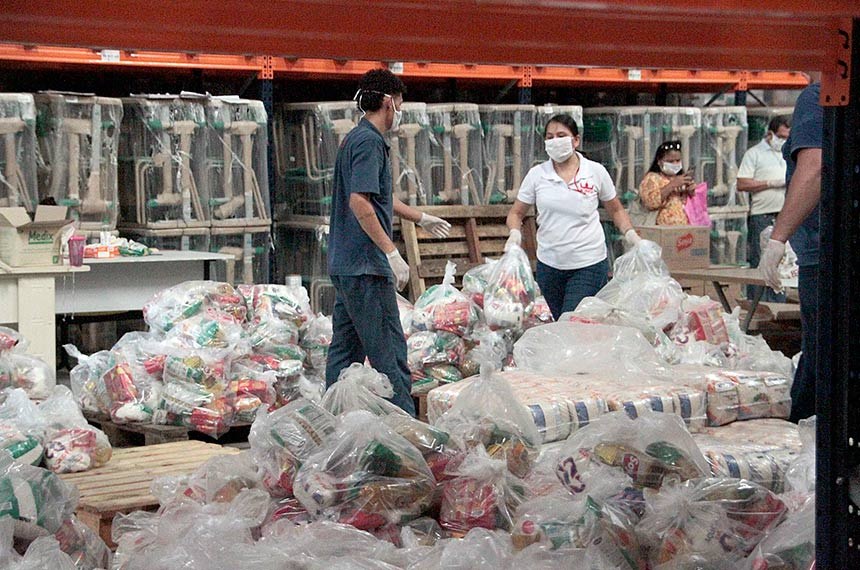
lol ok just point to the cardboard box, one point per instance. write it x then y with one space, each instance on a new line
27 243
684 247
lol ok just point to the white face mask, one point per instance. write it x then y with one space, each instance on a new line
398 115
559 149
671 168
776 143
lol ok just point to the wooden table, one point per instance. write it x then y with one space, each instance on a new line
719 276
123 484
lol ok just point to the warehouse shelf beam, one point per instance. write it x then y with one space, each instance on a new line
269 67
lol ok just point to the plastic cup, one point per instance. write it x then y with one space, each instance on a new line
76 250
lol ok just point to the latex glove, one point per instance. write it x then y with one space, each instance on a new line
436 226
631 238
769 265
399 267
776 183
515 239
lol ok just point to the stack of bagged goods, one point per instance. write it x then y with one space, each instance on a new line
37 521
21 370
375 488
499 301
214 355
53 433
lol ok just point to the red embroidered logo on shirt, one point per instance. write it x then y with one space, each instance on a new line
584 188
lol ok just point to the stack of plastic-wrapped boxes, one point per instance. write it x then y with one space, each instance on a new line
18 187
509 149
78 136
456 154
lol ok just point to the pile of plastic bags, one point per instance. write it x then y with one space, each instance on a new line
54 433
21 370
38 529
356 483
213 356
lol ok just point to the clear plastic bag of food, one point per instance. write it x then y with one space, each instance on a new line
407 311
171 306
35 498
791 546
254 389
480 493
651 450
21 414
282 440
444 308
487 413
540 314
42 553
272 302
510 292
211 329
800 476
642 285
219 480
360 387
568 347
367 476
86 379
753 352
316 340
436 445
85 548
32 374
475 281
71 443
703 321
480 548
485 344
12 340
434 348
716 521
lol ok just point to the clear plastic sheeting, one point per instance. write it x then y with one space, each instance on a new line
729 235
543 114
791 546
625 139
509 149
77 155
162 159
724 132
410 155
236 166
18 181
250 248
307 138
302 249
456 155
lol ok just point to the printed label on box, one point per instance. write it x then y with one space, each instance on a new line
40 238
684 242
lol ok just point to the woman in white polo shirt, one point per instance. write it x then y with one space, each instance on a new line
566 190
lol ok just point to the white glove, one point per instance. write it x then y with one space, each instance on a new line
515 239
399 267
769 265
632 238
436 226
776 183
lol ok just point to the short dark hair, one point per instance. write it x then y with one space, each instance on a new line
663 150
374 86
778 122
566 120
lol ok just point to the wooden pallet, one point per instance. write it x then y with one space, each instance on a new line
135 435
477 232
123 484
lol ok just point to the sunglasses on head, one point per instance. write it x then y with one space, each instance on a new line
671 145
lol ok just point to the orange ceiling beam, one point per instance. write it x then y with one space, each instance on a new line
706 34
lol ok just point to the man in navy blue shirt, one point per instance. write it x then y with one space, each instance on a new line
364 263
798 221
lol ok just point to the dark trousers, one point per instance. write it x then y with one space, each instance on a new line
756 225
366 323
803 389
563 289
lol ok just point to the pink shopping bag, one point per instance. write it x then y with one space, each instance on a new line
696 206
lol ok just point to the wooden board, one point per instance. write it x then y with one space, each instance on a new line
123 484
477 232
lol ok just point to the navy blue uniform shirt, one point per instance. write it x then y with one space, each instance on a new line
362 166
807 131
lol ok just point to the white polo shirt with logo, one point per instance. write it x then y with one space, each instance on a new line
569 232
762 163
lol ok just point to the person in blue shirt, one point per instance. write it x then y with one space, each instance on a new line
363 262
798 222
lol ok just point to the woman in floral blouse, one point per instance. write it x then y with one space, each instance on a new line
666 187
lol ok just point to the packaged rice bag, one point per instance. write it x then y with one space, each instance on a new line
736 395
